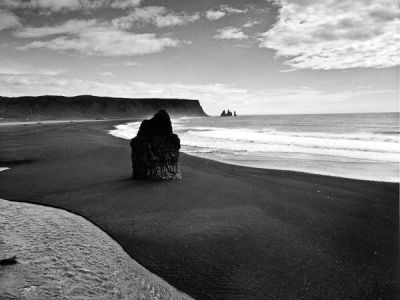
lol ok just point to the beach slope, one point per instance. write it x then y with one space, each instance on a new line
223 231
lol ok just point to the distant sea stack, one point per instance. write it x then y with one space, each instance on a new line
155 150
92 107
228 113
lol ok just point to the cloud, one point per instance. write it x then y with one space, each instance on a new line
72 26
329 34
107 74
108 38
13 84
250 24
57 6
230 33
8 20
107 41
131 63
232 10
222 11
92 37
125 3
215 14
12 69
156 15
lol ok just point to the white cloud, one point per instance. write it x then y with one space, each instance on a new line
333 34
232 10
8 20
108 38
12 69
107 42
222 11
215 14
51 5
57 6
230 33
125 3
73 26
250 24
107 74
131 63
156 15
91 37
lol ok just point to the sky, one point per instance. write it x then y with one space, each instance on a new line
252 56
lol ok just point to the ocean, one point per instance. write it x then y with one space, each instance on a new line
358 146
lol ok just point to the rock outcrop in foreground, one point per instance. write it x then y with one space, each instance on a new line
155 149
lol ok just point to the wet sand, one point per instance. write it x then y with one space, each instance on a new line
223 231
63 256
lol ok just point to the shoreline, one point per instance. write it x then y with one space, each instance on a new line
259 233
98 267
50 122
124 131
299 171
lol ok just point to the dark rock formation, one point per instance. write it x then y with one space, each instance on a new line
234 113
155 149
226 113
8 261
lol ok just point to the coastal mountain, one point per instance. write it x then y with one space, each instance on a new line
88 107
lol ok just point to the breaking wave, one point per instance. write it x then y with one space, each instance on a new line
248 141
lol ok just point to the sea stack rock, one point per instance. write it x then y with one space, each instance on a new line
155 149
228 113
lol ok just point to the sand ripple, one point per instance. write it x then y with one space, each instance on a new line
64 256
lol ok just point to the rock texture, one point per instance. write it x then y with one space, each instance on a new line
155 149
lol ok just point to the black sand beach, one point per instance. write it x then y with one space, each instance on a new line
223 231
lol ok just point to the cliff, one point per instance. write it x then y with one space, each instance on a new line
89 107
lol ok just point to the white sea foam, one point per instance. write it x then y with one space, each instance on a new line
63 256
240 140
252 141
